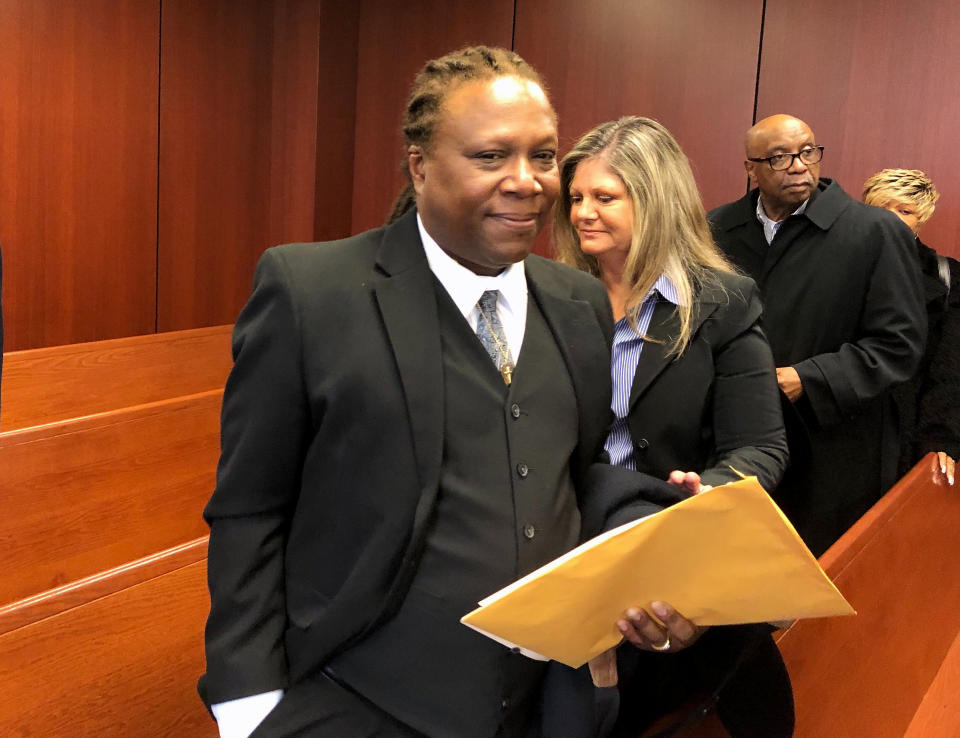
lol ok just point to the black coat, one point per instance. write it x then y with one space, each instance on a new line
843 306
714 409
930 403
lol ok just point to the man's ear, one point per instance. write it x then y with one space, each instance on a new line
415 162
749 166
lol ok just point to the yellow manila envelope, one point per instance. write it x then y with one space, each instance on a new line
727 555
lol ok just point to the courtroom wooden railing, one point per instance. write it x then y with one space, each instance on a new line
107 456
894 668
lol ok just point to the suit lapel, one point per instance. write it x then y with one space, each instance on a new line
576 331
664 326
407 301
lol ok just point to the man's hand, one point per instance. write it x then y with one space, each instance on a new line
644 632
789 382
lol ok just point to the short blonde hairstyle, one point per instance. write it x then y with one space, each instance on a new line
902 185
670 231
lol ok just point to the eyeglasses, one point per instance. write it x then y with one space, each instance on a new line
779 162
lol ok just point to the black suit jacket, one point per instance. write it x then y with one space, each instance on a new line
332 444
716 408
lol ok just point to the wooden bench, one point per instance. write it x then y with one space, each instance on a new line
894 668
64 382
104 476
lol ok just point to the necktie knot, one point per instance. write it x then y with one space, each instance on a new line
488 302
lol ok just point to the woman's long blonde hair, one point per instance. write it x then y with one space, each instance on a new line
670 231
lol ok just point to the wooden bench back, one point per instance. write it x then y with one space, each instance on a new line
104 477
63 382
92 494
898 566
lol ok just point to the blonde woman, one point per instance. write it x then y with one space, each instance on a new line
694 381
694 390
930 403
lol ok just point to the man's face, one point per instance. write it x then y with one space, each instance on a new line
486 185
783 191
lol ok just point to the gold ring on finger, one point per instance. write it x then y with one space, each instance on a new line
665 646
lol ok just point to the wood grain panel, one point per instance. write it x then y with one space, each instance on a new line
68 596
238 128
123 665
63 382
689 64
396 39
78 146
866 675
336 119
878 83
939 713
134 481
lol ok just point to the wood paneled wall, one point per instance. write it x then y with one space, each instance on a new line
140 179
337 106
879 84
238 132
690 65
78 168
394 42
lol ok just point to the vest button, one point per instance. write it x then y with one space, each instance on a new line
515 410
522 470
643 444
529 531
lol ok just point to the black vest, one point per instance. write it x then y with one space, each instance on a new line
506 505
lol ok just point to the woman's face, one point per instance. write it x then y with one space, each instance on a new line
601 210
905 211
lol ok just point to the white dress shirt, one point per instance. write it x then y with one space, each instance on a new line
465 288
771 226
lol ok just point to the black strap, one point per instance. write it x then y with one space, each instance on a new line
943 271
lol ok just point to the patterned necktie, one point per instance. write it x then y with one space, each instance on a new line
490 333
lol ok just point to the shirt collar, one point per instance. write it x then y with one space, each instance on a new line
663 288
770 226
667 289
465 287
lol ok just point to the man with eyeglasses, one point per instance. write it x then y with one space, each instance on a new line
844 314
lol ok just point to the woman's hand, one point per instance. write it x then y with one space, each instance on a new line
689 481
943 469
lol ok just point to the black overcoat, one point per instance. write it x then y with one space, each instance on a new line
843 305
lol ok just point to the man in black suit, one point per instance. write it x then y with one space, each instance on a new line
844 313
382 469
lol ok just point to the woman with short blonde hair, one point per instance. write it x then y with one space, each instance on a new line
929 404
907 193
